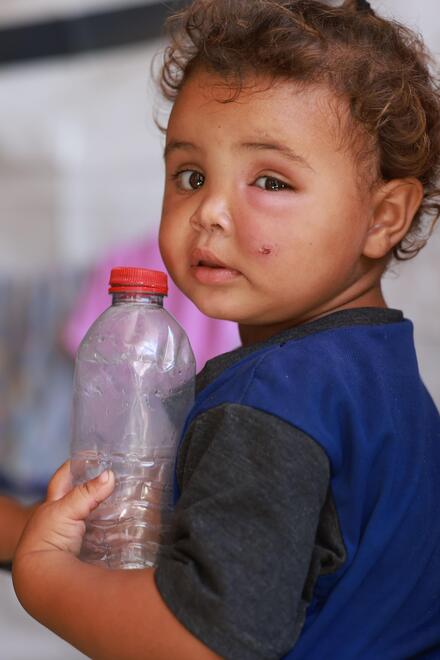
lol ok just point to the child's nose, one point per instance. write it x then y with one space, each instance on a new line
212 215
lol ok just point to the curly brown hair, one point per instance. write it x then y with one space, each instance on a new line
379 66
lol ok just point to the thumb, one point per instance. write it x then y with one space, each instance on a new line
60 484
83 499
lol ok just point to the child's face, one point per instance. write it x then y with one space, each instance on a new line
263 222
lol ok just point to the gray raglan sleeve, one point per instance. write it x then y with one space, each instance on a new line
244 532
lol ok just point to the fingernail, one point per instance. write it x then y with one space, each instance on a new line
104 477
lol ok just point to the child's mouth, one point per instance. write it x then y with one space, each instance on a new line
209 271
213 273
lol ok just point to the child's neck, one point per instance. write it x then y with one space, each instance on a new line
252 334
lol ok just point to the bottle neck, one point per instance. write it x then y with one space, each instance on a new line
123 297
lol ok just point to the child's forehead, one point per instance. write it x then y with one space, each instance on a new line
261 104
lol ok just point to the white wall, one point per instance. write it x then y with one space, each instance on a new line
421 15
80 158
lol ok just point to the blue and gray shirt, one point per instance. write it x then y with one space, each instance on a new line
308 515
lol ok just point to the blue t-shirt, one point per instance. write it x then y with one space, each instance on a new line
354 388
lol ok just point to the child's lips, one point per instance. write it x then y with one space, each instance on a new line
208 269
214 274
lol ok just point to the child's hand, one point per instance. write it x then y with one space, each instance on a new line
58 524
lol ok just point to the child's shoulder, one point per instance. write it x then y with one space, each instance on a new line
317 377
328 349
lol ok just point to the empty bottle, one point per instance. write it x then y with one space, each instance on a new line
133 387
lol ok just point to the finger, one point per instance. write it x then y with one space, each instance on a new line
60 484
83 499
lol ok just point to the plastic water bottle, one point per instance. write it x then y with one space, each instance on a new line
133 387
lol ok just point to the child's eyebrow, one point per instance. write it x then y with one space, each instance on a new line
174 145
279 147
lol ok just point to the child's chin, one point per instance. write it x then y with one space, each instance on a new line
220 312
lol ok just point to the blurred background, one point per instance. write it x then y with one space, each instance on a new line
80 191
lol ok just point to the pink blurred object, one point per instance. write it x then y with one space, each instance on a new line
208 337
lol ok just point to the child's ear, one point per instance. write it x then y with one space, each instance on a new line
395 206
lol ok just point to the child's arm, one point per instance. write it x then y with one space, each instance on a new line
105 614
13 518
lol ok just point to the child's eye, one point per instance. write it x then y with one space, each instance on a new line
271 183
189 179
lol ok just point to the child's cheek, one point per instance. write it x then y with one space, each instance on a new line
262 220
260 245
256 237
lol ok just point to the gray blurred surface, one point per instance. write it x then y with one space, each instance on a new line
15 12
80 158
23 638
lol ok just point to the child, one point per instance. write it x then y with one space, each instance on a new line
302 153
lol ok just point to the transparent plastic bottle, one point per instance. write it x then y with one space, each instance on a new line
133 387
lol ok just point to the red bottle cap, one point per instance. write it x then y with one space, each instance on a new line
138 280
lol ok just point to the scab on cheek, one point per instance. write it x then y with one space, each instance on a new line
267 250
